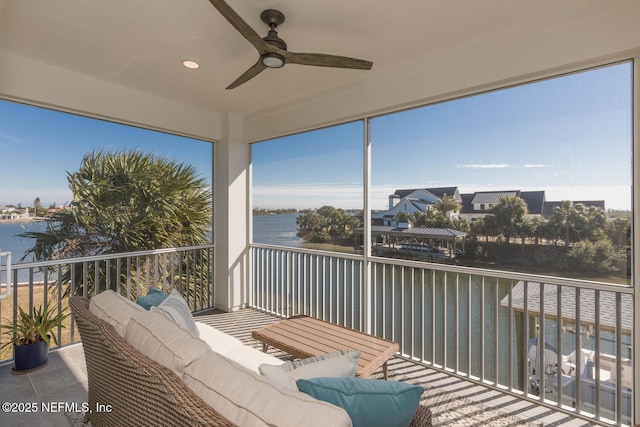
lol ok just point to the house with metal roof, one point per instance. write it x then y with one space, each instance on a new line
476 205
414 200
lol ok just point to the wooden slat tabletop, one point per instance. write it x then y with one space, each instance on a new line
303 336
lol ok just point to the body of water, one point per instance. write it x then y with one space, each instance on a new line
267 229
276 230
11 242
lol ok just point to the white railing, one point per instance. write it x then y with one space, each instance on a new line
320 284
5 273
189 270
481 325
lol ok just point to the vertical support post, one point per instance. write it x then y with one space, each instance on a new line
231 215
366 233
250 255
635 237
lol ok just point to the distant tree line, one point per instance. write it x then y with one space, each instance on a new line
591 242
327 225
258 212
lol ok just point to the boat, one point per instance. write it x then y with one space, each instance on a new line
564 373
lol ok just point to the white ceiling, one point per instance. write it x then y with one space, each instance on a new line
417 46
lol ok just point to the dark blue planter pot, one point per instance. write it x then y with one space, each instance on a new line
30 357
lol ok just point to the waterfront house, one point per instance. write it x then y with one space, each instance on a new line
475 205
12 213
410 201
122 61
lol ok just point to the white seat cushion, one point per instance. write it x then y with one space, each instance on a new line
233 348
251 400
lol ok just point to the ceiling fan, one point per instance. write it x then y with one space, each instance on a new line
273 50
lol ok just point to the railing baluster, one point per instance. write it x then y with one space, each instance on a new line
433 316
579 367
542 364
496 329
559 340
619 358
422 316
597 351
383 287
510 339
444 321
456 326
412 312
469 366
482 346
393 303
524 351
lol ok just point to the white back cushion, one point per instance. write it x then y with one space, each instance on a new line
175 308
114 309
164 341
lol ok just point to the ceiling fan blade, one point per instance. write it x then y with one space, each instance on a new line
239 24
323 60
257 68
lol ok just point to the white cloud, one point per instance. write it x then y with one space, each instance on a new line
485 166
499 166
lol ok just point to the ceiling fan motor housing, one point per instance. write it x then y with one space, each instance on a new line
273 18
273 39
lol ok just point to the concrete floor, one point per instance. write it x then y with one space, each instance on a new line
46 392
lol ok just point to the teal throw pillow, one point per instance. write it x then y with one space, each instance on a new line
369 402
153 298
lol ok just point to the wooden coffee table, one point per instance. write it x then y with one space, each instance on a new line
303 336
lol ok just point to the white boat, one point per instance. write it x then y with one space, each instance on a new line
562 371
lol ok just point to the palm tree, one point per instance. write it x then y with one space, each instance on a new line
36 206
509 213
447 204
127 201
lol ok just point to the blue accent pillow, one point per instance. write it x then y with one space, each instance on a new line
153 298
369 402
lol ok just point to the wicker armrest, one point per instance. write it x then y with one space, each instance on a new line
422 418
138 390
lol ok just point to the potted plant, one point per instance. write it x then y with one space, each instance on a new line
31 336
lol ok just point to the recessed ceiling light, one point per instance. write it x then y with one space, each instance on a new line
191 64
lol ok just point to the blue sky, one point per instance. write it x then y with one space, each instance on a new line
570 136
39 146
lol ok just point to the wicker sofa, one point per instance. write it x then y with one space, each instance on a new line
140 391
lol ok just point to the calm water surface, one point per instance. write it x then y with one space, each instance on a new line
9 240
276 230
